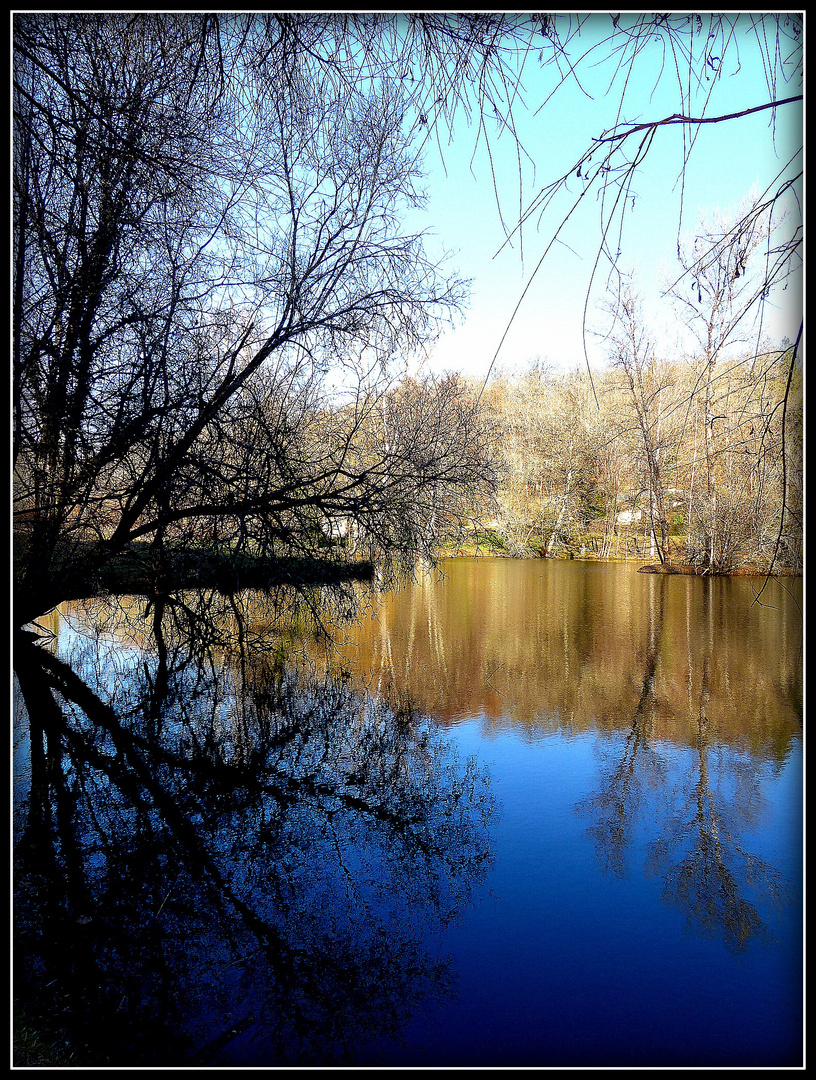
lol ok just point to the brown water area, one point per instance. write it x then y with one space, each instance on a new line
546 646
573 646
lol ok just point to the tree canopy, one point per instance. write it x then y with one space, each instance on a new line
213 292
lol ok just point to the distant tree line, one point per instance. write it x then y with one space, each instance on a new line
679 461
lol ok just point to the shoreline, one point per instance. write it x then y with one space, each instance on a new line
666 569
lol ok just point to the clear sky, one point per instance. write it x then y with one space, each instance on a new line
729 160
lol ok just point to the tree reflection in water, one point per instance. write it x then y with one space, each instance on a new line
225 862
636 763
706 872
705 869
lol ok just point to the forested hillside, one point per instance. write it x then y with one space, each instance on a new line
678 461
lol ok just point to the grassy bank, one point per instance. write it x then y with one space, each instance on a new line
627 548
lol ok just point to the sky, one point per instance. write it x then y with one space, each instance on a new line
728 162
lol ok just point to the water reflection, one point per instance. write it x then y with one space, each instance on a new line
692 687
706 871
699 801
562 646
221 861
222 858
634 760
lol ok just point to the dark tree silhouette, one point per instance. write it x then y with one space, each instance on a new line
210 851
213 297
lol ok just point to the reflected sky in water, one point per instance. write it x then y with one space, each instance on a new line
533 814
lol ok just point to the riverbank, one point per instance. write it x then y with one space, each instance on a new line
229 573
140 570
698 571
491 545
135 571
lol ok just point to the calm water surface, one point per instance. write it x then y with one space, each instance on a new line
547 813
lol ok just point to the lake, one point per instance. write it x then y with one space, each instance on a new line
528 813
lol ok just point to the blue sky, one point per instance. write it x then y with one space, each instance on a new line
728 161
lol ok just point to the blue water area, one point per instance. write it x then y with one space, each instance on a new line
561 963
554 844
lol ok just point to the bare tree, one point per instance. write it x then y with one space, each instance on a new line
544 447
692 59
648 385
717 293
198 204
